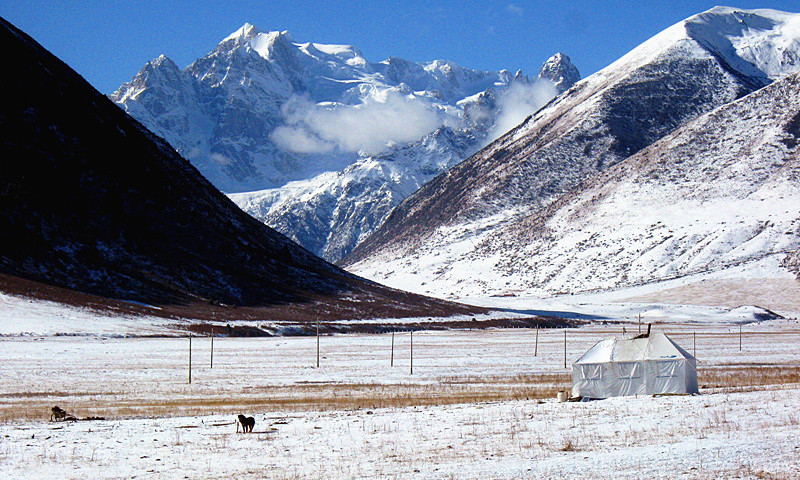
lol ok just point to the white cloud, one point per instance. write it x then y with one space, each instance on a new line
300 140
388 117
383 119
518 101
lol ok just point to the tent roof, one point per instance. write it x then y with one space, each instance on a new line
656 346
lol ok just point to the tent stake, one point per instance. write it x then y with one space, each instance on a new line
412 352
190 358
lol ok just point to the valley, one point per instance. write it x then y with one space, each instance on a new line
393 266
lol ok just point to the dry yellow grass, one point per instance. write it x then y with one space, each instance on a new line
738 377
298 397
342 396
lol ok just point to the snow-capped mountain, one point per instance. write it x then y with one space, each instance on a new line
530 213
326 142
98 210
333 212
560 70
223 110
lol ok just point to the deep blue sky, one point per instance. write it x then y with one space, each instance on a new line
109 41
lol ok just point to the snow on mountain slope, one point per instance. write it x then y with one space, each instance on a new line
763 43
478 228
321 123
332 212
720 192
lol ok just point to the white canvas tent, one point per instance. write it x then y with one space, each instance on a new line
642 365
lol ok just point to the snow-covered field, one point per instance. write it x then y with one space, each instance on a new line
717 297
479 404
735 435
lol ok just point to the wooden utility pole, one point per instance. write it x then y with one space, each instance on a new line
190 358
391 362
640 322
565 349
536 343
212 346
317 342
740 337
412 352
694 344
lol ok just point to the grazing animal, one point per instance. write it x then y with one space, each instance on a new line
58 414
247 424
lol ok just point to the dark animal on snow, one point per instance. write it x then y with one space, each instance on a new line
247 424
58 414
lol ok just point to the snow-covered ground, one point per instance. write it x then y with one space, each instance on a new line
715 297
478 405
736 435
27 317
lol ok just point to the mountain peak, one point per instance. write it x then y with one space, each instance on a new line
560 70
759 43
505 189
251 37
246 112
161 70
163 61
246 31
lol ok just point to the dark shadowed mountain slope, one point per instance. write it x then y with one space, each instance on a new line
435 237
93 202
